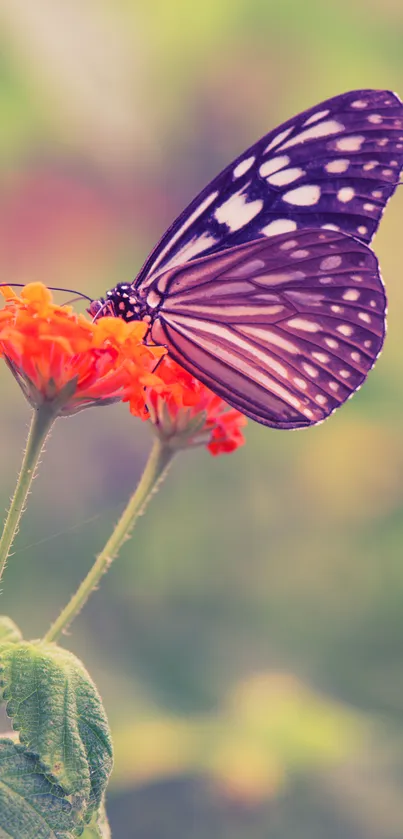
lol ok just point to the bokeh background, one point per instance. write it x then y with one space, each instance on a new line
249 641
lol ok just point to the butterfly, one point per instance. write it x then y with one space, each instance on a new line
264 288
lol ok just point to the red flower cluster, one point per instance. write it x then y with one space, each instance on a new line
186 413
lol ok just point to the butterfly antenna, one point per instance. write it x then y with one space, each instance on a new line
74 299
78 294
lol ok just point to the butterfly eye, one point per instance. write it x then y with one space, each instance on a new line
100 308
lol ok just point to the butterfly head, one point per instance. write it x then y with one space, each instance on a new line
120 302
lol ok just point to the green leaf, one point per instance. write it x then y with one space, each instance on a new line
31 807
58 712
99 827
9 632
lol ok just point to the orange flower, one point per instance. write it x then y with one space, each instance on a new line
185 413
60 358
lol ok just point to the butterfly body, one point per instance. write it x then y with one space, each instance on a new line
264 287
125 302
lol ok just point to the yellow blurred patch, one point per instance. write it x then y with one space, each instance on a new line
352 470
271 725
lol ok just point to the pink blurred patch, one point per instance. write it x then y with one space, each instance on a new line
71 229
55 228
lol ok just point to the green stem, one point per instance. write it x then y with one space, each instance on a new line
154 472
42 421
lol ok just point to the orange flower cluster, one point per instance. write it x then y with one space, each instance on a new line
58 356
61 358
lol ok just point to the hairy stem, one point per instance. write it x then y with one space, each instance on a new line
42 421
154 472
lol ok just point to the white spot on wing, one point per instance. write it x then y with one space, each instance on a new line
277 367
345 329
376 119
321 129
309 370
236 212
305 297
330 262
300 254
278 138
273 165
359 103
153 299
286 176
321 357
186 224
352 143
303 196
315 117
243 166
277 279
304 325
163 282
289 243
335 167
196 245
247 268
351 294
280 225
346 194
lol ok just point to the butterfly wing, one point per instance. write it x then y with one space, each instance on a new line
334 165
284 329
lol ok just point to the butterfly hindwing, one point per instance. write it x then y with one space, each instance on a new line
334 165
285 329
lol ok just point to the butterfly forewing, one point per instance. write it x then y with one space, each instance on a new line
285 329
334 165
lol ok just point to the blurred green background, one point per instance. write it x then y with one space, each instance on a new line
249 641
